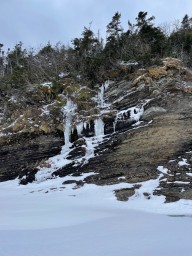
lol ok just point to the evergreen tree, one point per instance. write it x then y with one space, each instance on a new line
87 50
180 40
87 45
114 28
186 23
150 34
2 64
114 31
17 66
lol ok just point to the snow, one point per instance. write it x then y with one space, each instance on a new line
45 111
4 134
181 182
183 162
63 74
13 99
47 84
128 63
162 169
89 221
91 144
147 187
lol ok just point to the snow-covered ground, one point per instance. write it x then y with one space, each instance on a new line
47 219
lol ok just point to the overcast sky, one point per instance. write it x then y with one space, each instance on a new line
35 22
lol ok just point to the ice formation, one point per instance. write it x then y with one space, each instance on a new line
132 114
71 120
68 112
101 101
99 127
80 127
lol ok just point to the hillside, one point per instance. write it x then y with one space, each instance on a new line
127 132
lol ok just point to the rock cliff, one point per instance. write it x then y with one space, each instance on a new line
128 131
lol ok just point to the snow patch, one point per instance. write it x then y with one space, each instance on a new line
47 84
183 162
162 169
181 182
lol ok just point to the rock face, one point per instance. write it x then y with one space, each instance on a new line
133 151
22 153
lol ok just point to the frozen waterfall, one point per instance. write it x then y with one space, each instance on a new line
68 112
98 122
101 102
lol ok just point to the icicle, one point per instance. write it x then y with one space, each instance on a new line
80 128
99 127
114 126
101 96
106 85
85 125
68 112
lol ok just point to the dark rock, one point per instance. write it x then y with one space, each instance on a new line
79 184
124 193
69 182
27 176
76 153
171 198
23 151
146 195
66 170
153 111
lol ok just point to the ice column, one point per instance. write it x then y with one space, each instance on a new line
80 127
99 127
101 96
68 112
103 87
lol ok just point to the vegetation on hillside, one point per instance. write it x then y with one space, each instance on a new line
90 60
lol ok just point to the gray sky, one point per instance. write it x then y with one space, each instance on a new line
35 22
